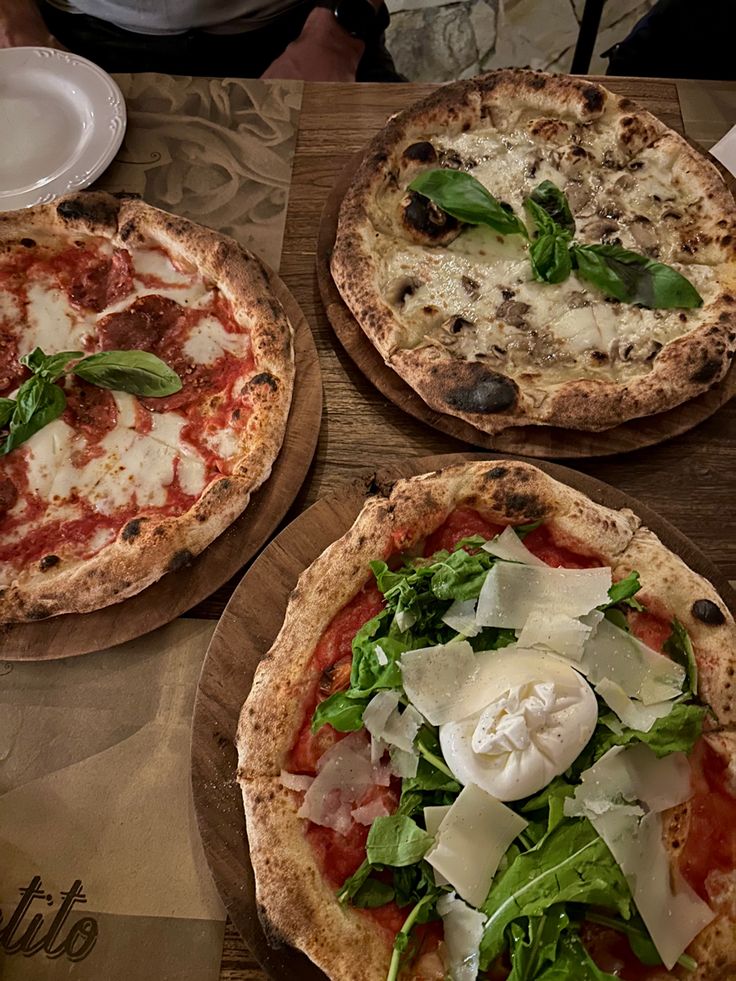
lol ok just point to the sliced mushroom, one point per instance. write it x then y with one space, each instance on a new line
600 229
578 196
513 312
471 286
577 300
453 325
401 287
426 223
645 235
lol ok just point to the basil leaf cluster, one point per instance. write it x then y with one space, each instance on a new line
40 399
620 273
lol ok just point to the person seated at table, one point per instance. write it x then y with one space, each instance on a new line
314 40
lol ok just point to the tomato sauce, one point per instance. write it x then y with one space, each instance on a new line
611 952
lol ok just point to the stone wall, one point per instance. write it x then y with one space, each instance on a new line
440 40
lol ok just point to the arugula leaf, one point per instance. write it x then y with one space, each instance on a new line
571 864
460 576
7 407
550 258
547 199
396 840
623 592
523 530
49 366
428 777
136 372
367 674
464 197
679 648
634 278
533 945
419 914
552 797
675 733
354 882
573 963
38 403
341 711
372 894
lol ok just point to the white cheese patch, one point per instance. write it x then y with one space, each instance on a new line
613 795
462 930
511 593
405 620
441 681
52 324
556 632
471 841
461 617
433 818
537 716
46 453
510 547
620 657
633 714
155 262
208 341
384 720
125 405
295 781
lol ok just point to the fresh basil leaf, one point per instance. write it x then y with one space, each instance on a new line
372 894
571 864
135 372
49 366
623 592
551 201
573 963
7 408
550 258
679 648
464 197
39 402
534 944
396 840
634 278
339 710
675 733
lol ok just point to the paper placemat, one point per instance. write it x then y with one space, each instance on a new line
218 151
103 873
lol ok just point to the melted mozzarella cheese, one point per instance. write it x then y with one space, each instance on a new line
538 714
209 341
46 453
51 324
471 840
155 262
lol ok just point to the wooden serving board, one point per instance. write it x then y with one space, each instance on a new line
177 592
537 441
245 633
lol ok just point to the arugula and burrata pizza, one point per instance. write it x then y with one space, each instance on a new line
493 740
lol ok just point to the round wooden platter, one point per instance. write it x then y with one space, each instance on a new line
177 592
246 631
537 441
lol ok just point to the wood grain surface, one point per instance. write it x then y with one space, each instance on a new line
245 633
174 594
689 480
541 441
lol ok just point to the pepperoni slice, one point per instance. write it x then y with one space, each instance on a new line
102 280
145 325
90 410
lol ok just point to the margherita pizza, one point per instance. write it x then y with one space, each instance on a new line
524 248
103 491
499 745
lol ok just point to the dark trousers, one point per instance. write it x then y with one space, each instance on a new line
244 55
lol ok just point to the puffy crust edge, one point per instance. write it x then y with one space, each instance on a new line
685 368
138 558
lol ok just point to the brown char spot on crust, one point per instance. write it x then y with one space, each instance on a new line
27 243
708 612
527 505
179 560
131 530
472 387
707 372
422 152
265 379
593 97
48 562
38 612
495 473
91 209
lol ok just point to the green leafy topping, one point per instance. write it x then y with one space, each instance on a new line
676 732
573 963
465 198
639 940
634 278
549 253
533 942
550 258
421 912
623 593
37 403
680 649
570 864
396 840
135 372
341 711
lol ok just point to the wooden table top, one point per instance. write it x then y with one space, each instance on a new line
690 480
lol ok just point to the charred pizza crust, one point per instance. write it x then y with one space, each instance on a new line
148 546
450 363
296 903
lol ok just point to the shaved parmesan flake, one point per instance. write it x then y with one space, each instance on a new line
609 796
433 818
633 714
405 620
509 547
463 929
461 617
557 632
403 763
619 657
366 814
471 841
511 593
384 721
381 656
345 773
295 781
441 681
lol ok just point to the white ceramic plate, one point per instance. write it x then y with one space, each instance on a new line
62 120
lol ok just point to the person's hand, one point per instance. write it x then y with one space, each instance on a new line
323 52
21 25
